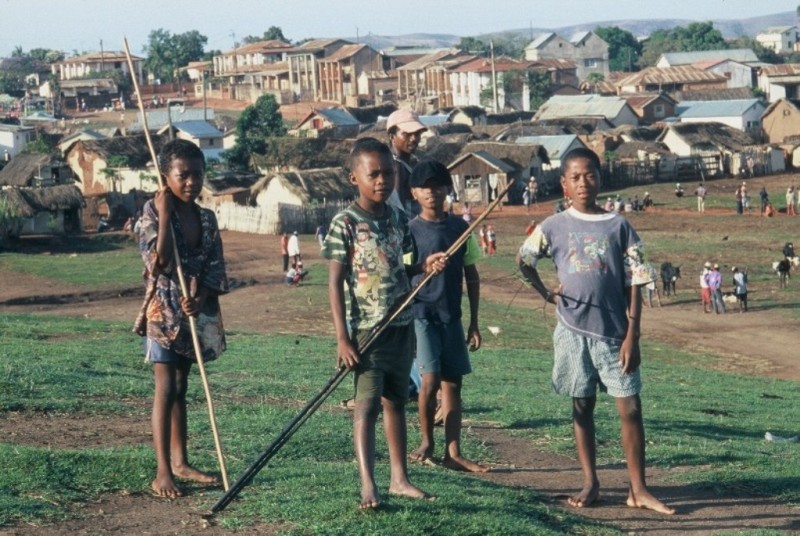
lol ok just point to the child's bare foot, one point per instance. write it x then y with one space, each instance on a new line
422 454
644 499
457 463
585 497
164 486
369 498
408 490
187 472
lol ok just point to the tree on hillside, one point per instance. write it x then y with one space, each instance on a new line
258 122
166 52
624 49
513 47
273 33
765 54
696 36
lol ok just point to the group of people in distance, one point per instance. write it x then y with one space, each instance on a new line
711 282
394 234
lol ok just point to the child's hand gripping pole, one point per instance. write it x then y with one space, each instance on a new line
198 353
342 372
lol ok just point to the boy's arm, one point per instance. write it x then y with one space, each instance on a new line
435 262
347 355
163 205
629 355
473 295
531 275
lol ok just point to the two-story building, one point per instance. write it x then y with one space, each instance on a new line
97 62
249 71
779 38
780 81
304 68
339 74
586 49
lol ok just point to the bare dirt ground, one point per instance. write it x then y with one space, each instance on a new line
254 266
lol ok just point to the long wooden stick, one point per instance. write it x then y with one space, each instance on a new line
181 279
342 372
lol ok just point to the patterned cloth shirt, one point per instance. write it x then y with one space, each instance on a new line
372 249
167 324
597 257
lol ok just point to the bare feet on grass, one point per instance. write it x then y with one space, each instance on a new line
369 498
644 499
422 454
458 463
187 472
585 497
406 489
164 486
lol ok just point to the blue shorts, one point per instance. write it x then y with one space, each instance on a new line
155 353
442 348
582 365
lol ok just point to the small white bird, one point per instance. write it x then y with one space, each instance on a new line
494 330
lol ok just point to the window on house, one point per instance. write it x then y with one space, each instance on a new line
472 181
727 74
590 62
658 110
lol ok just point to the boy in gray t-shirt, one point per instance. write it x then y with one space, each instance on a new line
600 267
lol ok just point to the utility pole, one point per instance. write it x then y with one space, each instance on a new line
102 60
494 78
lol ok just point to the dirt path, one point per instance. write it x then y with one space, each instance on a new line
253 262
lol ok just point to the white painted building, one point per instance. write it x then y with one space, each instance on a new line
13 139
779 38
740 114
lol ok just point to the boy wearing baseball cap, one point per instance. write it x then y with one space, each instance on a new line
442 357
405 132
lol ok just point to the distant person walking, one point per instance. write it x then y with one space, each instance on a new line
763 196
285 251
294 248
714 280
701 192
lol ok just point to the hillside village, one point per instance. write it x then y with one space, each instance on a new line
73 154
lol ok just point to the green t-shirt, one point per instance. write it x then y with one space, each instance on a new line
372 251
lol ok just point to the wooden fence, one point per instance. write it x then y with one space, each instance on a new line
276 219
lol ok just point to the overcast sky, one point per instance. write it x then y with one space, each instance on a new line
80 24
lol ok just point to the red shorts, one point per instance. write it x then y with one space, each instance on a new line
705 295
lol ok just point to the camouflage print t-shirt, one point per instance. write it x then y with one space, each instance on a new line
372 251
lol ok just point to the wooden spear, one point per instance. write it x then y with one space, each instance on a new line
181 279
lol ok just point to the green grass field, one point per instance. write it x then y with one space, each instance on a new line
711 424
707 423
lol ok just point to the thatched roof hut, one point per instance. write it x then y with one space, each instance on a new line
21 170
52 209
301 187
134 148
302 153
370 114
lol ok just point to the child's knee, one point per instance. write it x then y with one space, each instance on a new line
583 408
630 407
368 408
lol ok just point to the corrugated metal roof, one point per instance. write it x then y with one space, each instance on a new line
724 108
670 75
541 40
555 146
783 69
338 116
489 158
577 37
744 55
157 119
198 129
574 105
347 51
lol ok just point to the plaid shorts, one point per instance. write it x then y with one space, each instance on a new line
582 364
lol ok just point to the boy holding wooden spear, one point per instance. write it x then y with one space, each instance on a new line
164 318
365 245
